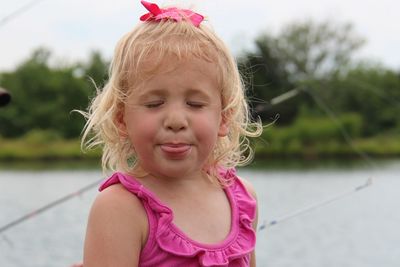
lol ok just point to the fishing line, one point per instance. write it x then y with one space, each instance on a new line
394 101
348 140
19 11
48 206
312 207
343 131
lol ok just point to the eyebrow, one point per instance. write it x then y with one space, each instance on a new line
153 92
197 92
162 93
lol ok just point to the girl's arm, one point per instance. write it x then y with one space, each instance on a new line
116 231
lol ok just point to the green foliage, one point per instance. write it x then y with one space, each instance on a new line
317 59
371 91
299 54
311 136
40 137
309 130
43 97
316 51
34 146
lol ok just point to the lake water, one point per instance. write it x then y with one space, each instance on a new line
359 230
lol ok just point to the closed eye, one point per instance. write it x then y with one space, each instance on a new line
154 104
195 104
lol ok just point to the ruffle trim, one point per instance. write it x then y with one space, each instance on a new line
239 243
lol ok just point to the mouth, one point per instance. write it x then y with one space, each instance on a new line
175 148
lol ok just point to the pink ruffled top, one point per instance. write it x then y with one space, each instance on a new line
168 246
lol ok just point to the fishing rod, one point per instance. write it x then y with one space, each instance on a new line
19 11
343 131
49 206
348 140
284 97
312 207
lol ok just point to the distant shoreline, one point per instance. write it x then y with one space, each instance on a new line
14 150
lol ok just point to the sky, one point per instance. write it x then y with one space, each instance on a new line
71 29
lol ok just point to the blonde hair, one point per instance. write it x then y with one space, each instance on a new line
130 67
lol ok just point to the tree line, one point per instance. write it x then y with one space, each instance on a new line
315 60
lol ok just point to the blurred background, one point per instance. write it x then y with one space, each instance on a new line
324 77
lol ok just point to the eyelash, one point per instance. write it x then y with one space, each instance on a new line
154 104
195 105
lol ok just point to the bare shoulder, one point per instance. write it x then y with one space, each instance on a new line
117 203
117 228
249 187
117 197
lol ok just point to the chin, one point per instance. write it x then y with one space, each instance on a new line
177 172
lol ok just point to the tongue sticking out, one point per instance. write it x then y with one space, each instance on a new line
175 148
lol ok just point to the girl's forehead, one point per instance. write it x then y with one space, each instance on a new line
170 61
194 72
153 67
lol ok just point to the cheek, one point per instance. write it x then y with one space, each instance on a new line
206 129
141 128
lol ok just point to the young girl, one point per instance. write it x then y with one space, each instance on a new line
173 123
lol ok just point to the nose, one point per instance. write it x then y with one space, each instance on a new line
175 119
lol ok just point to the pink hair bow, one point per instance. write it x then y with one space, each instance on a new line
158 14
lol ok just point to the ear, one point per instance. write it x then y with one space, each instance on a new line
223 126
120 123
